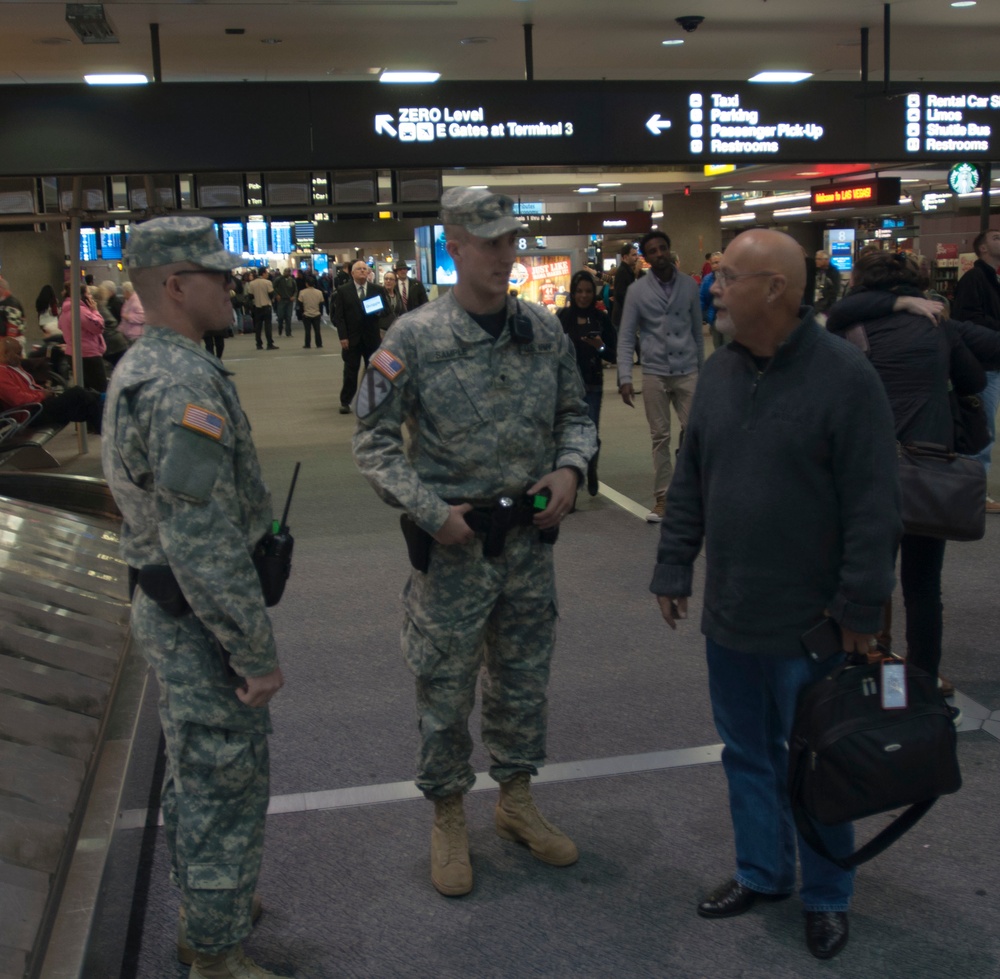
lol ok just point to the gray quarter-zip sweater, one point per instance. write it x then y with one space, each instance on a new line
788 474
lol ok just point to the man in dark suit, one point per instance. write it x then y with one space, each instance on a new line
412 291
357 326
627 273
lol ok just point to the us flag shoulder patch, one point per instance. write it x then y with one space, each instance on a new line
387 364
204 421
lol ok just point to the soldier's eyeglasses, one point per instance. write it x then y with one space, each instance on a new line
227 277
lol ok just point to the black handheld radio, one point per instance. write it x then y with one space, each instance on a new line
272 557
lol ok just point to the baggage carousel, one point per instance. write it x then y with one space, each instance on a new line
63 648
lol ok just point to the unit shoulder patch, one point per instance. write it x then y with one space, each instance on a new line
375 390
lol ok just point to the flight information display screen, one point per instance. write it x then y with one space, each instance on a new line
305 232
111 242
257 237
88 244
281 237
232 237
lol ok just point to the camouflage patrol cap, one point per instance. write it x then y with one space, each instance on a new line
164 241
481 213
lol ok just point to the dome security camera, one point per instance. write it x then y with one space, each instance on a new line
690 24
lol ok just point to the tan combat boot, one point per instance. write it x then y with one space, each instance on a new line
519 821
233 964
185 953
451 872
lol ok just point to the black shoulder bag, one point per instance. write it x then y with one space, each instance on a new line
850 757
943 493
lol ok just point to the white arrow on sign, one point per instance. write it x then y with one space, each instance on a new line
383 124
656 125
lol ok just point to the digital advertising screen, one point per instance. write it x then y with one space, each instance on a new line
320 263
444 266
88 244
424 253
111 242
542 279
232 237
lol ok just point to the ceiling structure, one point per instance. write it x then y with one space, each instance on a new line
340 40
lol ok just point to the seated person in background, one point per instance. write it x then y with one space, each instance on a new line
17 389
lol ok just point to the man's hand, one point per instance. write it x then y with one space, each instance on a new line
930 308
344 344
860 642
626 391
672 609
258 690
562 484
455 530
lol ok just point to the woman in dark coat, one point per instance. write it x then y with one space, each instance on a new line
593 338
919 361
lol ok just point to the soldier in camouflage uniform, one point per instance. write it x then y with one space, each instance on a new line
490 394
179 459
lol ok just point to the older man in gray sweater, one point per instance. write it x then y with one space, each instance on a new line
665 308
788 477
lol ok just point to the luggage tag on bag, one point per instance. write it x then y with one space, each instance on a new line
893 685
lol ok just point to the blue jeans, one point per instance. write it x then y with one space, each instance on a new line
990 397
753 704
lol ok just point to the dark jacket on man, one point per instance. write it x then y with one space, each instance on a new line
416 294
624 277
788 474
352 322
977 296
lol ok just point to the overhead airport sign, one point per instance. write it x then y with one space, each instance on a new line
493 124
590 223
607 123
877 192
425 124
953 123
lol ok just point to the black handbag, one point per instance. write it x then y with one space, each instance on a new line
943 493
849 757
972 430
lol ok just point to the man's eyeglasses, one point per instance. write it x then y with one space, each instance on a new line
724 278
227 280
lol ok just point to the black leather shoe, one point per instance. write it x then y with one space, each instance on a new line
344 410
732 898
826 932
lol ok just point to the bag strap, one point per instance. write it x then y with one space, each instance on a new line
904 822
928 449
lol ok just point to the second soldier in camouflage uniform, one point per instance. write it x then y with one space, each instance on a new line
179 459
491 396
